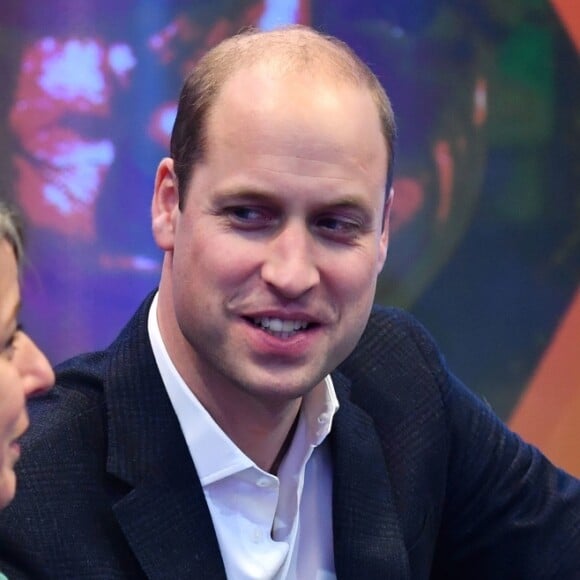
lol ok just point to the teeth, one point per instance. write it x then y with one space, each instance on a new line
279 325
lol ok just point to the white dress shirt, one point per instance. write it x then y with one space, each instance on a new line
268 527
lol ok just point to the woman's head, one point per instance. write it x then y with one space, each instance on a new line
24 370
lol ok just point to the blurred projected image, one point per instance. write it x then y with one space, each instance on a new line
439 87
61 166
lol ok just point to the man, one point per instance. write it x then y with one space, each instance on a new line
251 421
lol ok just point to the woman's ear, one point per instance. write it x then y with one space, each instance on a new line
165 205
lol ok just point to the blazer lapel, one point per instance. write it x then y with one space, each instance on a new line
169 528
164 515
368 542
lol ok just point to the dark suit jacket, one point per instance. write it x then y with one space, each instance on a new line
427 482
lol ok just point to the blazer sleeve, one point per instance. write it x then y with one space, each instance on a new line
508 512
496 507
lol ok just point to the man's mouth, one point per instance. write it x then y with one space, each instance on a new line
281 328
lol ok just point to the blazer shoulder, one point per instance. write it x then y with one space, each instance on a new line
84 377
397 375
400 326
85 370
395 342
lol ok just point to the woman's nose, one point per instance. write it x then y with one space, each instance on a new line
35 370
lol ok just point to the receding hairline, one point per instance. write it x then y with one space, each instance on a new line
293 49
289 48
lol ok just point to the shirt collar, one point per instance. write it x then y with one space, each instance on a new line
214 454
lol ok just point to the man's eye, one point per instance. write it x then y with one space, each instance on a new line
340 227
246 213
250 217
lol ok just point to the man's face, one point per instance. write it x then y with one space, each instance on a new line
272 264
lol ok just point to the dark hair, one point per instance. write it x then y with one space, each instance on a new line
291 48
11 230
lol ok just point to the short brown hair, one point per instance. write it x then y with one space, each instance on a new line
292 48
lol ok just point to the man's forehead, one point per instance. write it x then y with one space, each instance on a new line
264 88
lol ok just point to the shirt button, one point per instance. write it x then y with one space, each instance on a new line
323 418
263 482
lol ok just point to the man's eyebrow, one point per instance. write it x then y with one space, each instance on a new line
346 202
353 203
249 194
255 194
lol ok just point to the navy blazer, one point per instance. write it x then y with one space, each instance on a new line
427 481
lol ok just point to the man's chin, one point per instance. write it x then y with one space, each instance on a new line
272 386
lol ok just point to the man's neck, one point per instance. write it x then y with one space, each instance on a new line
262 431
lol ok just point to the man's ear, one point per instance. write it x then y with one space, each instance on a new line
384 241
165 205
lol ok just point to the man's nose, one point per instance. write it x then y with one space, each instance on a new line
289 265
35 370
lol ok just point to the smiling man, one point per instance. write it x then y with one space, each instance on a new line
271 262
256 418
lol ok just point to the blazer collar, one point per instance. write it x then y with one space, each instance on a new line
368 542
164 514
